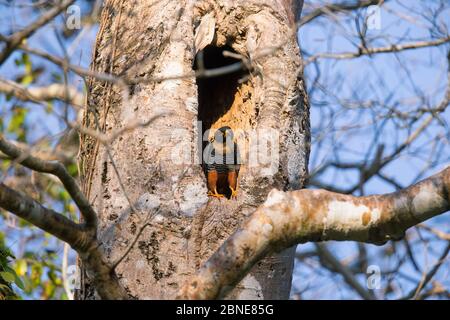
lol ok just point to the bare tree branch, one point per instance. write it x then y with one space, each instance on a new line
440 234
80 237
85 243
346 273
369 51
58 170
82 72
54 91
338 7
42 217
287 218
16 39
374 168
428 276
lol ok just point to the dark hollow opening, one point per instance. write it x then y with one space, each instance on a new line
215 94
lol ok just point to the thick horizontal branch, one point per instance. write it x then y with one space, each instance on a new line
38 94
369 51
287 218
57 169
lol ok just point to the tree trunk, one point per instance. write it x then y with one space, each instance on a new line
154 171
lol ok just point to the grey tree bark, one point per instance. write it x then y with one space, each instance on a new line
153 174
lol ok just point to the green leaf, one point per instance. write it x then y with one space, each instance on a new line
5 164
19 283
73 169
27 79
21 267
6 253
8 276
28 288
17 122
49 107
27 62
5 288
17 119
9 269
64 195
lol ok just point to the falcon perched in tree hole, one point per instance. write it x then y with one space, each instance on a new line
221 164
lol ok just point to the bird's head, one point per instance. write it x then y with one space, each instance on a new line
224 134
